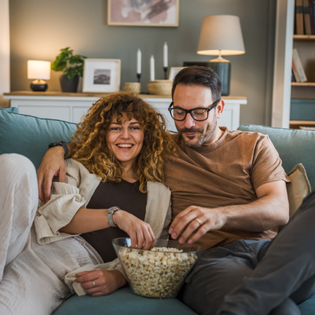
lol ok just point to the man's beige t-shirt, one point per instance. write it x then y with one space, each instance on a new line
224 173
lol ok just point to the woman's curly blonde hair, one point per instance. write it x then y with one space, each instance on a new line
89 140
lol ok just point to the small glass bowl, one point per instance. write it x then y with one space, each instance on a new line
158 273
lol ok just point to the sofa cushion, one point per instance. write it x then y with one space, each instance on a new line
294 146
121 302
30 136
298 189
10 109
308 306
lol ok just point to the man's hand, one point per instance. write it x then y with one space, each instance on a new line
196 220
101 282
52 164
270 210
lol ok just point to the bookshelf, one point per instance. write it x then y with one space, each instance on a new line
305 45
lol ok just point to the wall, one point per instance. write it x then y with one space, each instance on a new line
4 51
39 28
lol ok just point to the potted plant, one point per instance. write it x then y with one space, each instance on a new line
72 67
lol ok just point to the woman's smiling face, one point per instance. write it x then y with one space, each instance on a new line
125 139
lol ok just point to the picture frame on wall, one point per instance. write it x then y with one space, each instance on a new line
143 12
173 72
101 75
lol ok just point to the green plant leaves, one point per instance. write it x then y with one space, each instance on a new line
70 64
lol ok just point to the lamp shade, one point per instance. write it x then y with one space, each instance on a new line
37 69
221 35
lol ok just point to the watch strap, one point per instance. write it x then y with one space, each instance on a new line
62 144
110 212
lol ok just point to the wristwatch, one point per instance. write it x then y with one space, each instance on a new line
62 144
110 212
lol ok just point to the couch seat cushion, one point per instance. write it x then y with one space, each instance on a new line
308 306
121 302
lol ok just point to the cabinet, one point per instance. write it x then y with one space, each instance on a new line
303 93
72 106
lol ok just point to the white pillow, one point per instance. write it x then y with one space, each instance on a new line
299 187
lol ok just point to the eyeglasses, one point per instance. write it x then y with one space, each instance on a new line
198 114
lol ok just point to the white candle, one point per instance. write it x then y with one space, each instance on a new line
139 61
165 54
152 68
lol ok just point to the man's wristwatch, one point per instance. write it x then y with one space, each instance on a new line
62 144
110 212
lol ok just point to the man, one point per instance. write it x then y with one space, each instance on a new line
229 195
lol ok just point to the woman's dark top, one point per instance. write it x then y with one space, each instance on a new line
126 196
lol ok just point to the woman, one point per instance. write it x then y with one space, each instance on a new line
119 151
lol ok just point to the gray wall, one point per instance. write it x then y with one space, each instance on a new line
39 28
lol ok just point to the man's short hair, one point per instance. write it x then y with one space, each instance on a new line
198 75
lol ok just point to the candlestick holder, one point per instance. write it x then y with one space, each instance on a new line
138 76
165 72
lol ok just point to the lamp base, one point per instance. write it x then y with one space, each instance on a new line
39 86
223 70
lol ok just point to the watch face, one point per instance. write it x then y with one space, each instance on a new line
111 210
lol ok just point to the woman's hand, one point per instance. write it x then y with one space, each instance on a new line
101 282
140 232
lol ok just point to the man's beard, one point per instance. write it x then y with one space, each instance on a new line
205 136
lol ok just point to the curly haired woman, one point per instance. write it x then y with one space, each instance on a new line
114 188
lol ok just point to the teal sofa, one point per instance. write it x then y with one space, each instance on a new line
30 136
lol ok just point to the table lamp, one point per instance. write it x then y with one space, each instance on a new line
221 35
40 71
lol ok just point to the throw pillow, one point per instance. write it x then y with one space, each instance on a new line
299 187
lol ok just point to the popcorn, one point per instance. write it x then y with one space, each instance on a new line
157 273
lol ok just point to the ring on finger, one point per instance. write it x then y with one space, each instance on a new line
198 221
94 284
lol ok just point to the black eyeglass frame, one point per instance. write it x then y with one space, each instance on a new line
189 111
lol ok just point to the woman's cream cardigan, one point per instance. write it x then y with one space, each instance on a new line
67 198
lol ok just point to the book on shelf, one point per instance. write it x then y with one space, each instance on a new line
295 73
313 6
299 21
292 74
298 65
310 4
307 18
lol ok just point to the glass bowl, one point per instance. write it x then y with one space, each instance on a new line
158 273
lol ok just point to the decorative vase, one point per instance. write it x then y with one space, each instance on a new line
69 85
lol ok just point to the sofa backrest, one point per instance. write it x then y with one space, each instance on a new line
294 146
30 136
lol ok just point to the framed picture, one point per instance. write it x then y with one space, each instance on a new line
101 75
143 12
173 72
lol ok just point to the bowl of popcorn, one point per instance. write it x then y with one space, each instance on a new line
159 272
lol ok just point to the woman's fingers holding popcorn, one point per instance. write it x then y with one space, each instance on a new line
140 232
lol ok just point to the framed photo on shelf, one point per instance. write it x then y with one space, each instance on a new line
143 12
173 72
101 75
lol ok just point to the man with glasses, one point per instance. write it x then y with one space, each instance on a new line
229 195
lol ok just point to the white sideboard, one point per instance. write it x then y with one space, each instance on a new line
72 106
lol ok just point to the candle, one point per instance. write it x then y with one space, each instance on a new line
139 61
152 68
165 54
